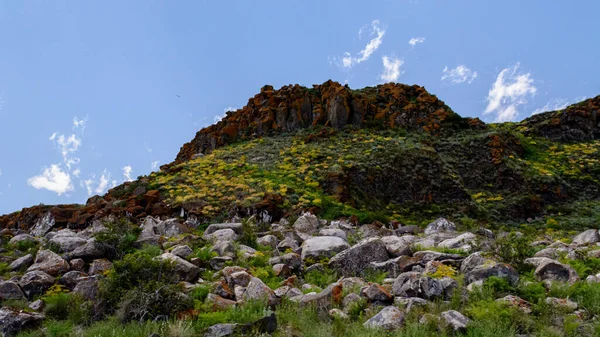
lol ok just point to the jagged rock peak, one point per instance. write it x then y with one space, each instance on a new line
294 107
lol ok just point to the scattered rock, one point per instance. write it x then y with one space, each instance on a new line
356 259
21 263
552 270
307 224
13 321
50 263
70 279
440 225
323 247
398 245
35 283
389 318
99 267
183 251
10 290
563 304
185 270
87 287
376 293
409 303
22 238
67 240
455 319
460 242
516 302
585 238
226 234
219 303
268 241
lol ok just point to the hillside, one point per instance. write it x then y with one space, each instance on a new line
328 211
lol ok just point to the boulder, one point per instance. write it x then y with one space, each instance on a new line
184 269
408 303
306 224
21 238
492 268
236 227
516 302
10 290
376 293
268 241
67 240
462 242
70 279
440 225
257 290
287 243
455 320
14 321
219 303
77 264
50 263
99 267
389 318
471 262
293 260
552 270
398 245
218 263
35 283
333 232
221 330
564 304
183 251
43 225
392 266
324 299
414 284
356 259
226 234
323 247
87 287
585 238
21 263
224 248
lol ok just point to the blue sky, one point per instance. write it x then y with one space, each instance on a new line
89 89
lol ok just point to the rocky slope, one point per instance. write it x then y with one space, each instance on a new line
330 205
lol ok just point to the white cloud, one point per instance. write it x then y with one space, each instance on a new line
67 146
348 61
0 172
127 173
391 69
76 172
52 179
154 165
415 40
99 186
460 74
218 118
511 89
80 123
553 105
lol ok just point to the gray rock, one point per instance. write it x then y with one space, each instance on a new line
21 238
219 303
43 225
184 269
70 279
218 263
323 300
183 251
413 284
409 302
516 302
293 260
35 283
398 245
67 240
458 242
307 224
236 227
257 290
77 264
268 241
287 243
552 270
99 267
355 260
37 305
351 299
224 248
389 318
392 266
50 263
87 287
551 253
90 251
440 225
492 268
425 256
226 234
455 319
10 290
376 293
221 330
21 263
323 247
588 237
471 262
333 232
563 304
13 321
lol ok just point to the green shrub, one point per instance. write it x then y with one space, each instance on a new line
57 305
199 293
532 292
119 239
321 278
154 302
514 249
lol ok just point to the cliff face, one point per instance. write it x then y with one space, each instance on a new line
294 107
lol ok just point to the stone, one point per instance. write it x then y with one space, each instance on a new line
351 299
338 314
552 270
219 303
492 268
236 227
293 260
408 303
50 263
21 238
77 264
222 289
10 290
389 318
87 287
455 320
35 283
43 225
356 259
471 262
14 321
287 291
320 247
224 248
563 304
551 253
257 290
440 225
516 302
71 278
324 299
37 305
398 245
237 278
282 270
67 240
88 252
268 241
392 266
218 263
376 293
226 234
307 224
459 242
21 263
183 251
425 256
99 267
414 284
184 269
221 330
333 232
585 238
